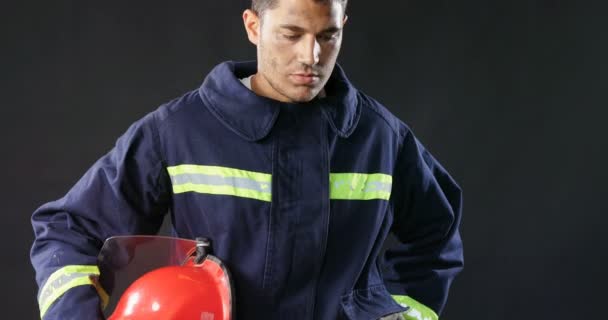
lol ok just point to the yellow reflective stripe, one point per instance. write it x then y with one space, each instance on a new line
219 171
360 186
221 181
65 279
416 311
256 185
222 190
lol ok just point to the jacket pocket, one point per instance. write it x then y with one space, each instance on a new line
369 304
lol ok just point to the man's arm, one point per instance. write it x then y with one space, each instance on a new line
124 192
426 201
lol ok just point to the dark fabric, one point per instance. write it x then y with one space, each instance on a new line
300 256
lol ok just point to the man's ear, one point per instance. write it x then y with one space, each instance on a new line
344 20
252 25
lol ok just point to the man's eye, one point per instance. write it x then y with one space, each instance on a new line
291 36
328 37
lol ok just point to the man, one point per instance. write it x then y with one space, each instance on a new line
296 176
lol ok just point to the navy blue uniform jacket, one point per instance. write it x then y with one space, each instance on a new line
297 198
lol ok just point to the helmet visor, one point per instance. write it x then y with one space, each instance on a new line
123 259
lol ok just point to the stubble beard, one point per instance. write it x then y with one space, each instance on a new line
280 90
272 68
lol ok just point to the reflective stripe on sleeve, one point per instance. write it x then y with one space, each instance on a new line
360 186
221 181
67 278
416 311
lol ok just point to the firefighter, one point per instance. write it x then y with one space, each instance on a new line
296 176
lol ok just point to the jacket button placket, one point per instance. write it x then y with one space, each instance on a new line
300 209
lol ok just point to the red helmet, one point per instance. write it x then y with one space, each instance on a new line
198 289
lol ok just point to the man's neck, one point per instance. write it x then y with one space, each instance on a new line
248 83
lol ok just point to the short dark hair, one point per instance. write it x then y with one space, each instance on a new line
259 6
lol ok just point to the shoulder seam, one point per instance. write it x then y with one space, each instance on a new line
159 123
372 104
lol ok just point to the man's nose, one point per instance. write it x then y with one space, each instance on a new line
310 50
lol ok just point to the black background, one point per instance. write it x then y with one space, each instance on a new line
510 96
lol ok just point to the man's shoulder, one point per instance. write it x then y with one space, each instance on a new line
182 105
375 111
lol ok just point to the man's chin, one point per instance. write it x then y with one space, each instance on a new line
303 97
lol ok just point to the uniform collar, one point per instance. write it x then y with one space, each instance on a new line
251 116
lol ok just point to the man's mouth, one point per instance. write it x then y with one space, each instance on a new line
305 77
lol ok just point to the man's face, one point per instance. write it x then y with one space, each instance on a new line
297 46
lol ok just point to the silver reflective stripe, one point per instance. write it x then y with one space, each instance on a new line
370 186
378 186
67 278
64 278
221 181
360 186
236 182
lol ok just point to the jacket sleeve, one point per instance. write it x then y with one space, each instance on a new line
427 255
124 192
